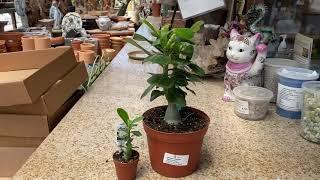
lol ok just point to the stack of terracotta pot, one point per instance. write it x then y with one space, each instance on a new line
117 43
75 44
3 48
30 43
12 41
108 54
87 53
103 41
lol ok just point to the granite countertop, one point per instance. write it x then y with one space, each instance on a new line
81 146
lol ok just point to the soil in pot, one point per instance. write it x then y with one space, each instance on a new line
175 150
126 170
191 121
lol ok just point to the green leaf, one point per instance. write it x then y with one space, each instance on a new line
123 115
138 119
154 79
147 90
160 59
192 91
155 94
134 43
154 30
197 26
184 33
139 37
181 81
196 69
136 133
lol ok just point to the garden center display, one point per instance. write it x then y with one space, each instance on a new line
68 66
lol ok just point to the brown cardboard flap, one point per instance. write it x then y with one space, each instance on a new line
51 101
58 62
64 88
12 159
6 141
23 60
23 125
14 76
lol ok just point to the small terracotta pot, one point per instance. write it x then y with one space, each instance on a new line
76 45
3 48
126 171
76 55
57 40
13 46
27 43
88 46
108 54
15 36
101 36
87 56
188 145
42 42
156 9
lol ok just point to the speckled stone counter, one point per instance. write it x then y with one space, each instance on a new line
81 146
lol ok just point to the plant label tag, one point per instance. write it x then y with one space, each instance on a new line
176 160
120 133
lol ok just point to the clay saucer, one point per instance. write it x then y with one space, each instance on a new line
137 55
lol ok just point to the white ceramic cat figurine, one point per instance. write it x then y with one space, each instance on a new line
245 63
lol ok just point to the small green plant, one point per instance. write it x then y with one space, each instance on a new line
174 53
126 133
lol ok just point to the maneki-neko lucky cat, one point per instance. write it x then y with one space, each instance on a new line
245 63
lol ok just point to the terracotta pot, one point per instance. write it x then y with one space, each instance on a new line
76 55
14 36
3 48
76 45
108 54
13 46
113 39
88 46
27 43
101 36
42 42
57 40
126 171
156 9
163 146
87 56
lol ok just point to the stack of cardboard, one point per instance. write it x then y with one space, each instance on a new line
36 91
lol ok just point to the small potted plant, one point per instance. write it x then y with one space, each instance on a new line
175 132
126 158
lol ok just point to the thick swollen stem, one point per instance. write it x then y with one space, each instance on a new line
172 115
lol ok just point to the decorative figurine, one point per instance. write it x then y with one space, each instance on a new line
245 62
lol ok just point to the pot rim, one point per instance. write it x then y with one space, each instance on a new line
127 163
185 133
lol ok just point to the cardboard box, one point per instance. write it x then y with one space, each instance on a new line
17 125
51 101
25 76
12 159
6 141
20 141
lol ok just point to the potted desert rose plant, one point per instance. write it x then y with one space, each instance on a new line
126 159
175 132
